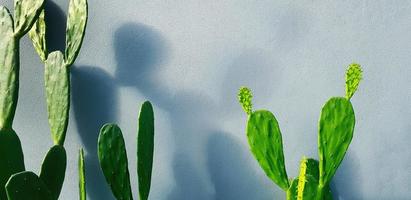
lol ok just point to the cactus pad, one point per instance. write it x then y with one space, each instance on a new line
266 144
58 95
145 149
53 170
11 158
113 161
76 27
27 185
9 69
336 128
82 176
38 36
25 14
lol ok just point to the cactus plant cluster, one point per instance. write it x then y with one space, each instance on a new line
15 182
113 156
336 128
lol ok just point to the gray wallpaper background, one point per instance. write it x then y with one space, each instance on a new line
189 58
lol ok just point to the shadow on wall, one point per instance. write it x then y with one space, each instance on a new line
95 94
233 176
346 184
56 27
193 118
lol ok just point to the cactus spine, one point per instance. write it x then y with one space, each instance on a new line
11 31
336 129
113 156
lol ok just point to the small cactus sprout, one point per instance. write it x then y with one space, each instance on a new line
82 176
113 157
353 77
11 31
336 130
245 98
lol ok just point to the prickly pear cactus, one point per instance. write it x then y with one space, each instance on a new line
57 82
27 185
145 149
53 170
113 157
57 65
336 129
11 31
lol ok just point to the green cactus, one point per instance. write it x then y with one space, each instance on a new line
27 185
57 66
113 160
336 128
265 140
145 149
113 156
53 169
57 83
82 176
306 184
11 31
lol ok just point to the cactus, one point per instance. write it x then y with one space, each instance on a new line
145 149
11 31
113 156
82 176
53 169
57 66
113 160
57 83
336 129
27 185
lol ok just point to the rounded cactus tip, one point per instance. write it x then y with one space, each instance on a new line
353 77
245 97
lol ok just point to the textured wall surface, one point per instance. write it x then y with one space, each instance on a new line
189 58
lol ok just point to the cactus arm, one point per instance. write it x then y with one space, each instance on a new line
76 27
145 149
113 161
266 144
11 158
336 128
353 78
37 35
82 176
9 69
27 185
25 14
53 170
57 80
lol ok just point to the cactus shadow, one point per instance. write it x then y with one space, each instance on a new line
140 52
94 104
346 183
55 19
231 171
